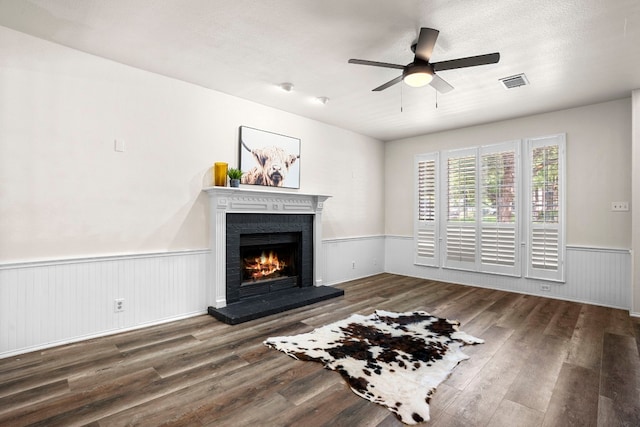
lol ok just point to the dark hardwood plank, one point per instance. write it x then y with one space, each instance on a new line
480 354
574 401
636 331
585 348
620 323
478 401
59 410
33 395
514 414
620 379
544 361
309 386
535 383
564 321
320 411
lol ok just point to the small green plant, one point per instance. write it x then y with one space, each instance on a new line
234 173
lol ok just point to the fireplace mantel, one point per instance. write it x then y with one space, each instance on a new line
224 200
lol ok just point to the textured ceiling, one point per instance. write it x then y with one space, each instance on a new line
573 52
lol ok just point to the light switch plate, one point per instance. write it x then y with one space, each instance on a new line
119 145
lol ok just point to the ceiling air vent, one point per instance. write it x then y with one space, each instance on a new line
514 81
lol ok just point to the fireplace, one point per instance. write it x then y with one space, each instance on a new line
267 253
247 224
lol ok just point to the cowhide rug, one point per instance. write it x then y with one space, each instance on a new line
394 359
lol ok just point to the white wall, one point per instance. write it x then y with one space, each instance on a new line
598 168
635 207
65 192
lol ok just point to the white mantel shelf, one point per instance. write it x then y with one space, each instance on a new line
224 200
235 199
253 191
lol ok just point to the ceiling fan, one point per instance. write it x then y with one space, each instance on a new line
421 72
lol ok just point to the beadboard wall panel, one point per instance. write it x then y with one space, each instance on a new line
352 258
43 304
593 275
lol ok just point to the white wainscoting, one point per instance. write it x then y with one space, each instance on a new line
593 275
43 304
340 255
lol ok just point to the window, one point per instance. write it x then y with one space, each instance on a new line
425 230
481 232
499 235
479 213
545 192
461 216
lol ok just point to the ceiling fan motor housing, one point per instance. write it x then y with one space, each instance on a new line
418 74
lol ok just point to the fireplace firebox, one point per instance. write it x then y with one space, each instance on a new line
269 262
268 253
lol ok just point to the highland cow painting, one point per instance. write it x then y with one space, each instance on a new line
269 159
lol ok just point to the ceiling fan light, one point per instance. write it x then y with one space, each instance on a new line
418 76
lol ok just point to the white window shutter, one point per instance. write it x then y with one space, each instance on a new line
544 248
546 208
426 248
460 213
499 229
461 245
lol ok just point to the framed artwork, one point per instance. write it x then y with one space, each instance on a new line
269 159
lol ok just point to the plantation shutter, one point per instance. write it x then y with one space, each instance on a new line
499 233
545 255
426 246
461 213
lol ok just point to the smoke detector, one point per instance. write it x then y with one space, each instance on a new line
287 87
514 81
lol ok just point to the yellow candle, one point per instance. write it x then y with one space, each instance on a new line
220 174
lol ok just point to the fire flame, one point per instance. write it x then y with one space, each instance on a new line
264 266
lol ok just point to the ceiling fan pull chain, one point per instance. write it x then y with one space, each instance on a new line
401 98
436 100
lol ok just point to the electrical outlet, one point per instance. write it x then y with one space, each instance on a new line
118 305
620 206
545 287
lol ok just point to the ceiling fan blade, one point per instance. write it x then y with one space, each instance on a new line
440 84
470 61
376 64
388 84
426 42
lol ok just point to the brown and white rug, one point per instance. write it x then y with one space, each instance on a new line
394 359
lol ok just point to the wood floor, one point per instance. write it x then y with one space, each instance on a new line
544 363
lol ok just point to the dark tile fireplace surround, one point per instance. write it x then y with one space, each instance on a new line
267 230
